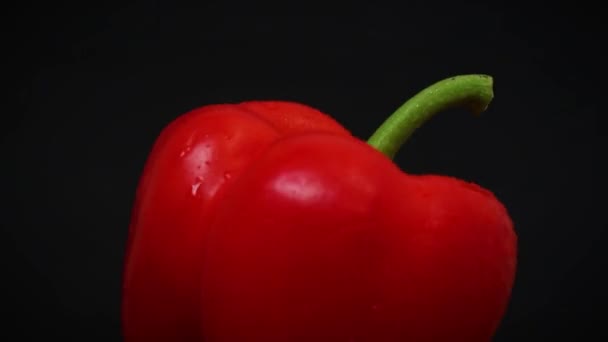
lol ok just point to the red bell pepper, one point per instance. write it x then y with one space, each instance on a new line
268 221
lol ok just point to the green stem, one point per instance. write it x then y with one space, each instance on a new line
472 91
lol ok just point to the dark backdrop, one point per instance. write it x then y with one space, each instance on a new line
96 82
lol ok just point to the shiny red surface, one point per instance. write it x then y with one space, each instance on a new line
192 159
325 239
245 231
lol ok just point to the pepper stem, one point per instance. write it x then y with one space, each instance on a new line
472 91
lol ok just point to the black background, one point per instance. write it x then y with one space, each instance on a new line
96 82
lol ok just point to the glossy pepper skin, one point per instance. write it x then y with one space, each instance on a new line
325 239
192 159
268 221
